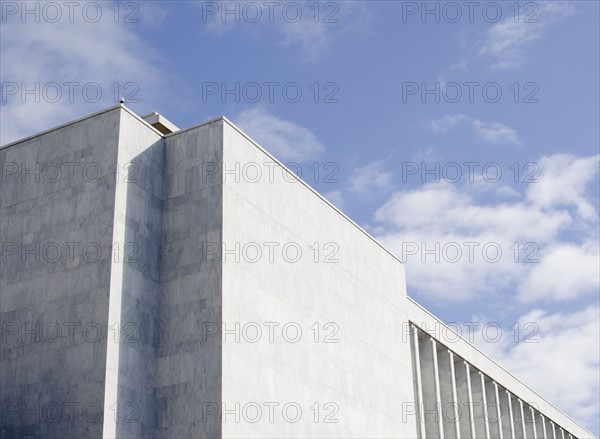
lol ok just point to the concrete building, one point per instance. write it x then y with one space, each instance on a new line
169 283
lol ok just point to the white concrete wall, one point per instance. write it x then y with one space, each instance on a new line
363 379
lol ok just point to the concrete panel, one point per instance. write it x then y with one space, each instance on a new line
540 426
448 403
493 409
356 384
418 382
464 398
529 421
522 431
550 432
57 209
506 413
189 343
430 405
478 394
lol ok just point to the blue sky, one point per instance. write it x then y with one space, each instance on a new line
372 125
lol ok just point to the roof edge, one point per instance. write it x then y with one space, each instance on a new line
300 180
81 119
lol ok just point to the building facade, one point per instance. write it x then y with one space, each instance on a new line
168 283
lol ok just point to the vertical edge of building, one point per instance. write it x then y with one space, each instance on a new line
135 290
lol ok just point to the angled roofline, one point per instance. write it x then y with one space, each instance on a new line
299 179
80 119
346 217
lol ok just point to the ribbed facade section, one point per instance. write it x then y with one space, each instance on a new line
457 401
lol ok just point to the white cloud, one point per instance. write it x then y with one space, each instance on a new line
312 38
102 53
495 132
459 66
447 122
448 215
559 360
492 132
286 140
370 178
311 28
565 272
317 32
506 42
425 154
563 181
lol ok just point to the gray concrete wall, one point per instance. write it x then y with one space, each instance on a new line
56 283
88 368
189 349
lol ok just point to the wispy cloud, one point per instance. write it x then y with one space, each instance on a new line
448 121
312 29
425 154
104 56
495 132
286 140
491 132
505 44
370 178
